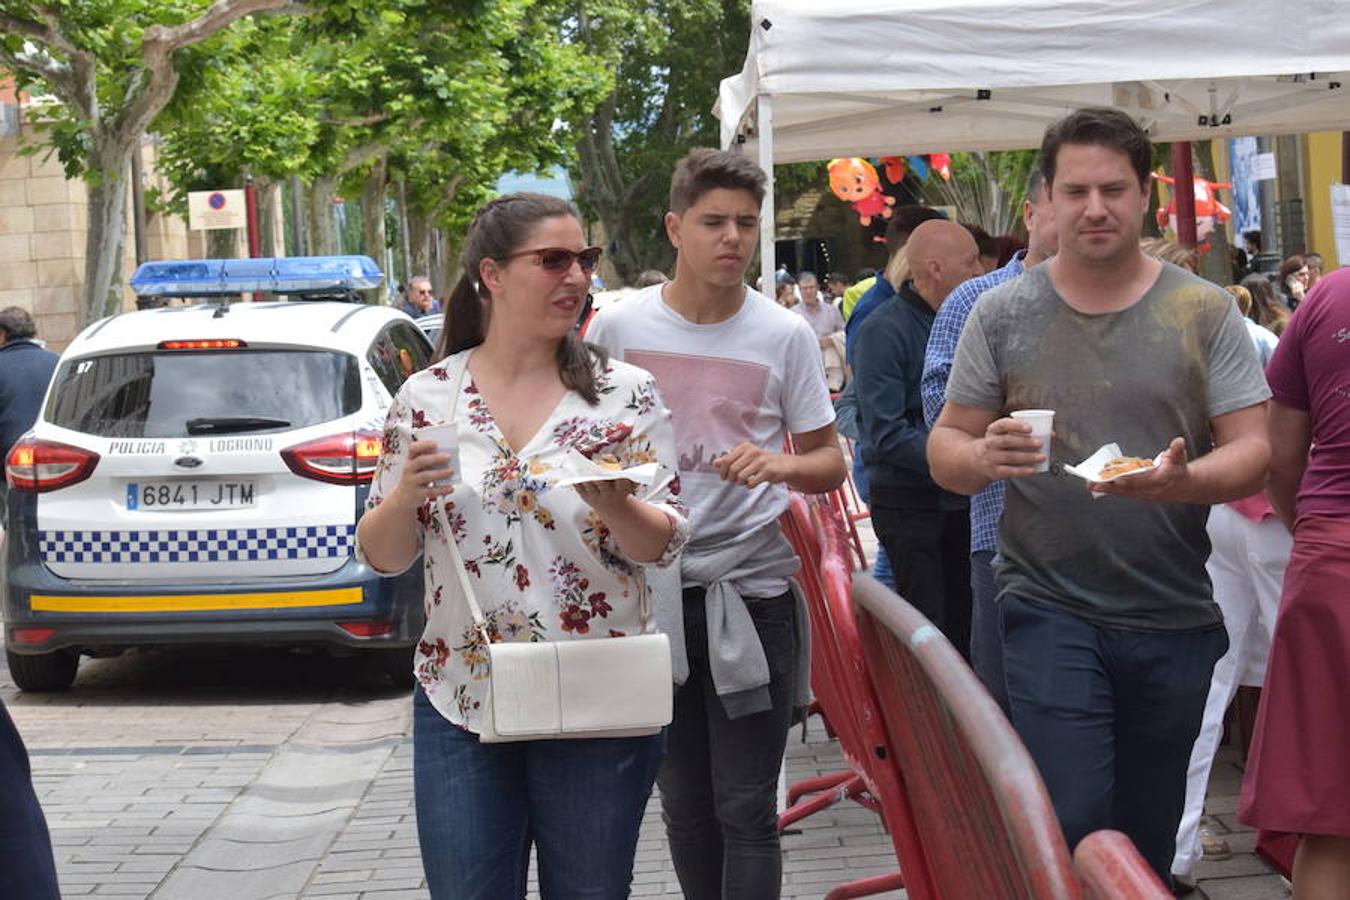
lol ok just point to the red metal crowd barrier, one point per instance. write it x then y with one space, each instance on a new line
842 693
845 501
814 794
984 826
1111 869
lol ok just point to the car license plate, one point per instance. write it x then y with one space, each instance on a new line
149 496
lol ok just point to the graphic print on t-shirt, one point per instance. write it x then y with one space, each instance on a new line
713 402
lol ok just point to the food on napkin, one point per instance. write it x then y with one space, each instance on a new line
609 462
577 469
1110 463
1123 465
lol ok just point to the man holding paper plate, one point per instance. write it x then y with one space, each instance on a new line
1109 625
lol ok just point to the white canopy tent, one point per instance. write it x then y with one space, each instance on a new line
826 78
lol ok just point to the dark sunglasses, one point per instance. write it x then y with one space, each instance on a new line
558 259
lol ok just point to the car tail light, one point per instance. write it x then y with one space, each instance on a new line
347 458
211 344
41 466
367 629
31 635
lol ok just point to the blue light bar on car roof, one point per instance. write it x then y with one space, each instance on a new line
280 275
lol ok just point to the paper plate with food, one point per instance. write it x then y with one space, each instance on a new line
577 469
1109 463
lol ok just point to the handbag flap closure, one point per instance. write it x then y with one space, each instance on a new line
615 682
525 688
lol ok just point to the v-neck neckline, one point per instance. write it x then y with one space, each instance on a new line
492 418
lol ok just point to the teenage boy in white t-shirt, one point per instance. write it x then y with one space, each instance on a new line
739 374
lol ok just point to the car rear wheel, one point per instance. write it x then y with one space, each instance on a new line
397 664
43 672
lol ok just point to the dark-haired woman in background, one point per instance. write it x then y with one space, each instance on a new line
547 563
1267 309
1294 279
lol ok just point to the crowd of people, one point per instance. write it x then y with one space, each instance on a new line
1112 620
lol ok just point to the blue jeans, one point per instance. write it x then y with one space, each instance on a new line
881 564
719 780
27 868
1110 716
986 636
481 806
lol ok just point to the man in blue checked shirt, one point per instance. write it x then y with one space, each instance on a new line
986 645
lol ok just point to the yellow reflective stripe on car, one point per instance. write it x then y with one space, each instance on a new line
196 602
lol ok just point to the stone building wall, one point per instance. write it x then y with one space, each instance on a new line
43 224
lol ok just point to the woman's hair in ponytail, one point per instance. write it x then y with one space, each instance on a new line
498 230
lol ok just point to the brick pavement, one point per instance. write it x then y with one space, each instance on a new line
329 813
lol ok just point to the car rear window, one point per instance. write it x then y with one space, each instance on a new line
158 394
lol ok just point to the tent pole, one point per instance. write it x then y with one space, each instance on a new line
764 119
1184 192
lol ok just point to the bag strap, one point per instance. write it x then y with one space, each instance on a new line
461 571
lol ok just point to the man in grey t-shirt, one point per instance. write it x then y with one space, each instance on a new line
1110 631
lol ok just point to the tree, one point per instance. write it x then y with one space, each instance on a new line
986 189
669 56
114 65
436 97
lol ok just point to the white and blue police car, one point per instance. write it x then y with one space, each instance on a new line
197 472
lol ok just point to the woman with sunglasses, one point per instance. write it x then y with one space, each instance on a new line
547 562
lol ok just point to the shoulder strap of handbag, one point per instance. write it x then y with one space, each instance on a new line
438 510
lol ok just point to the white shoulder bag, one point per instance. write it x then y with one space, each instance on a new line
583 688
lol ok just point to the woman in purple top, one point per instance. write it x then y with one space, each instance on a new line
1298 773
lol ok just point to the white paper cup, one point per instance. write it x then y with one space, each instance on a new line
1042 422
446 437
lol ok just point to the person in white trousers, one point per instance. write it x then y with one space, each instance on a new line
1250 551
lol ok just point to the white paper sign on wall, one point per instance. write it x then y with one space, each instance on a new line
1263 167
1340 221
208 210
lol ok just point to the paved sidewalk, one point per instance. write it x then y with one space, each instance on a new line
239 776
335 820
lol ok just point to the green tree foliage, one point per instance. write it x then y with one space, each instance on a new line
986 189
442 96
669 56
113 65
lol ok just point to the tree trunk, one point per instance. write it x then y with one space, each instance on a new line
419 245
375 239
404 246
604 190
373 201
436 261
105 239
323 233
270 241
222 243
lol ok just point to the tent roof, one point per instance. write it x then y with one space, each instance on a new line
868 77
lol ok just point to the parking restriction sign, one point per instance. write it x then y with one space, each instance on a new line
216 209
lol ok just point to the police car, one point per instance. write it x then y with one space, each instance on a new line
431 327
197 473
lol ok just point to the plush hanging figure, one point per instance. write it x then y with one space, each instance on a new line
1208 210
941 163
894 167
855 181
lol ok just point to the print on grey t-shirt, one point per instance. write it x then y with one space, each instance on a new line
1139 377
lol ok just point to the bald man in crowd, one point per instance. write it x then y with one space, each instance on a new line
925 529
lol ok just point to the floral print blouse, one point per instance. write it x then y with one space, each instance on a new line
543 564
